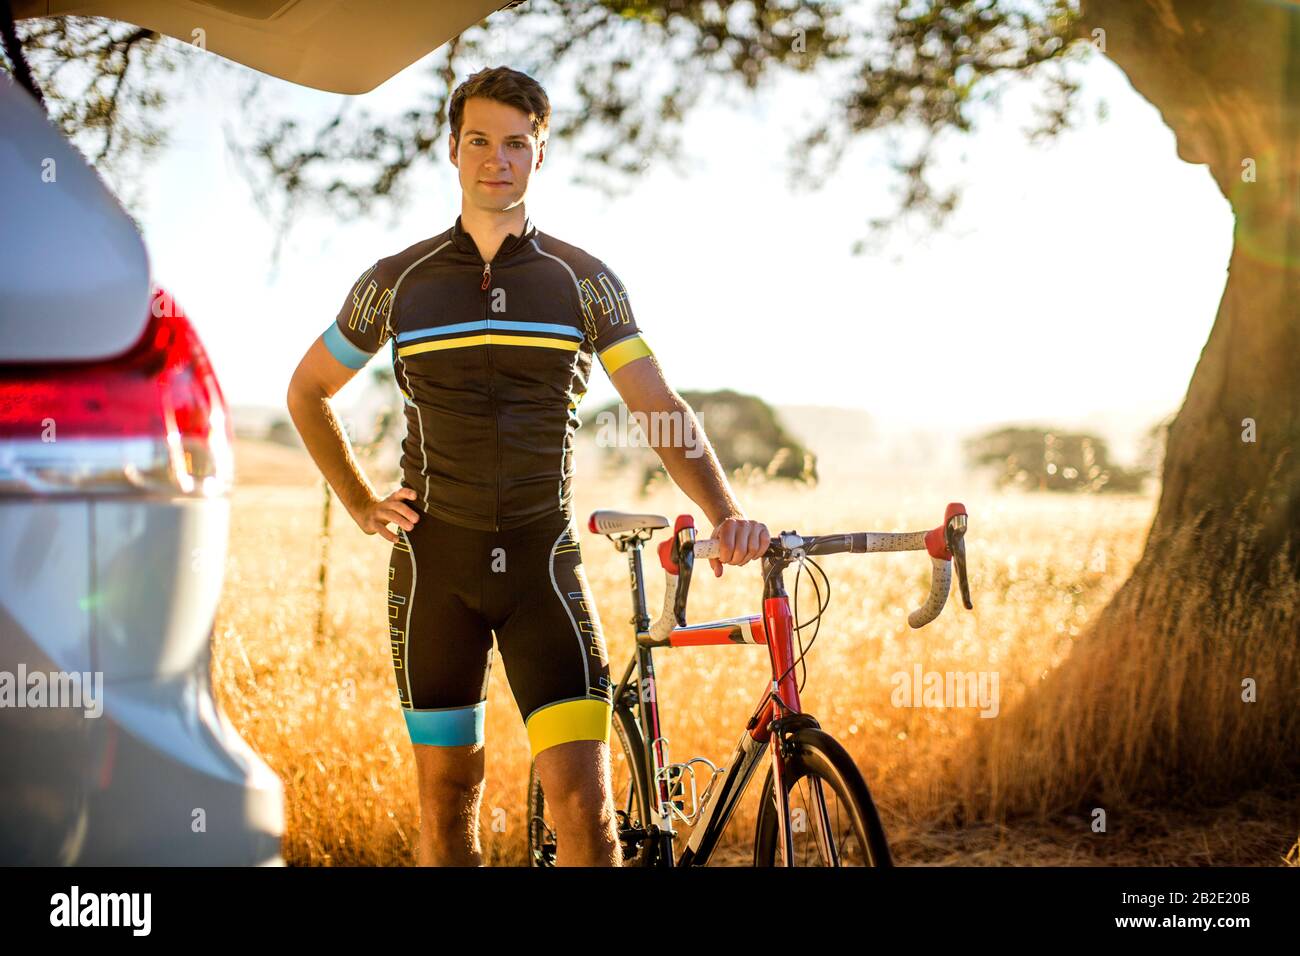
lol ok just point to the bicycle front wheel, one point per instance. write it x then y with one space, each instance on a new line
840 829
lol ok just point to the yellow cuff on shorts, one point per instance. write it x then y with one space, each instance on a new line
586 718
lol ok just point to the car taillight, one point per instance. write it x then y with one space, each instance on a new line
152 419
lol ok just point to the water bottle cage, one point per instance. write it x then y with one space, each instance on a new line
674 777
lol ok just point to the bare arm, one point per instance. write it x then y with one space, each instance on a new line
315 381
682 446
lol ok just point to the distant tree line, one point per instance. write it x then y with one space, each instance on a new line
1048 459
744 430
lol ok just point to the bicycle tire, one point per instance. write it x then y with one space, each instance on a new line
629 754
815 754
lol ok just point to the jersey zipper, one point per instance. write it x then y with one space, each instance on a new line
496 422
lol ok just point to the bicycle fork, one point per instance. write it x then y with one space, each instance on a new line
781 716
781 750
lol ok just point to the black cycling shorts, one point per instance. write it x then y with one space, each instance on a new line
450 588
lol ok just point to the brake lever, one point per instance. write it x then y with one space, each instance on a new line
955 538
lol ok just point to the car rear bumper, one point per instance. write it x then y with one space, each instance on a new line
123 593
177 786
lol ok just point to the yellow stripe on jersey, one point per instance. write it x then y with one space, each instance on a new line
488 338
618 355
585 719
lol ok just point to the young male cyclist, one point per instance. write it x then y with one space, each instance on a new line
494 325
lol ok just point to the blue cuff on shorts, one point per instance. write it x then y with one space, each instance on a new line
447 726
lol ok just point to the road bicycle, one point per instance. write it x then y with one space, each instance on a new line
831 822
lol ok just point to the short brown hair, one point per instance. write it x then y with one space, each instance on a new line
507 86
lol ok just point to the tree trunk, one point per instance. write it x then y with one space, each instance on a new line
1226 78
1155 701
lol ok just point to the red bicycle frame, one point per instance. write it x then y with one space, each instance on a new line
779 710
779 704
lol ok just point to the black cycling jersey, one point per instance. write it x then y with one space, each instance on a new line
492 360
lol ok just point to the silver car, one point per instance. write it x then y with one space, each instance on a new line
115 471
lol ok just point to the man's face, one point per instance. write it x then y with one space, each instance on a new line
495 154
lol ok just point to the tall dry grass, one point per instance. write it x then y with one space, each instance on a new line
1184 691
325 714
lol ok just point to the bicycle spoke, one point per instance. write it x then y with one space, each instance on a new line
828 838
825 841
631 795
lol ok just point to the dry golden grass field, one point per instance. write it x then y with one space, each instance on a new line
325 716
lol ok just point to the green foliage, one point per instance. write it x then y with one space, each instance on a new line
1045 459
101 81
639 70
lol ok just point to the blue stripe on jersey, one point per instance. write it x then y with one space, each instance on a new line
447 727
487 324
343 350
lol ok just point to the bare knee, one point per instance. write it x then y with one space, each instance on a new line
449 800
584 800
575 778
451 780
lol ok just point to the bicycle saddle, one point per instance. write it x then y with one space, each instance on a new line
605 521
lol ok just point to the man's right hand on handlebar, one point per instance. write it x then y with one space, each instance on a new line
740 540
376 515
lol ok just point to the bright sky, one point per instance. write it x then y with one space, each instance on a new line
1076 285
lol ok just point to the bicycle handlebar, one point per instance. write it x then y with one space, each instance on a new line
945 544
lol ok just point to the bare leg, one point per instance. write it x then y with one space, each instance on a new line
576 781
451 792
